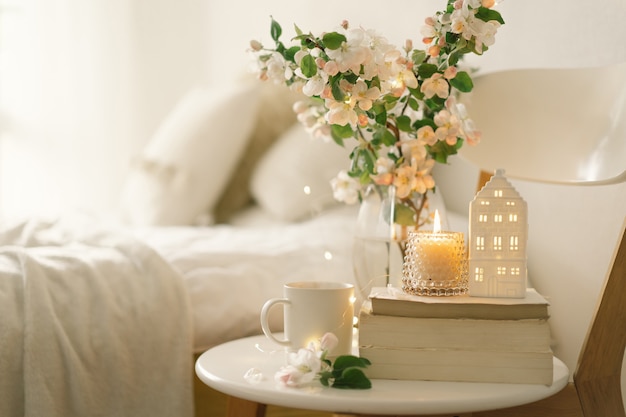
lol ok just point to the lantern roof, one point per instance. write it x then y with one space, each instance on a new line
501 184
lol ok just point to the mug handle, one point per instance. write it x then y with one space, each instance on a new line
265 322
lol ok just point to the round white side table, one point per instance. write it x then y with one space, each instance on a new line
223 368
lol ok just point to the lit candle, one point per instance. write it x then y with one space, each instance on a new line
440 254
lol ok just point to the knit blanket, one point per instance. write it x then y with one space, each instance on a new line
92 323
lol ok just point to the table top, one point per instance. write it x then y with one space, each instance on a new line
223 368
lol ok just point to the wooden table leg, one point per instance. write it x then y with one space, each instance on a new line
238 407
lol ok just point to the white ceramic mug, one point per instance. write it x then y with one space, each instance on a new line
312 309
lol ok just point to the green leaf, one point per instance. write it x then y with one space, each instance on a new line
347 361
339 133
417 93
424 122
309 42
451 38
390 101
462 82
378 112
453 58
418 57
441 150
351 77
368 161
403 123
275 30
336 89
486 15
298 30
426 70
404 215
414 104
290 53
333 40
364 178
352 378
325 378
384 136
280 48
435 103
308 66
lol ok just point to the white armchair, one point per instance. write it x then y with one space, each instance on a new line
557 131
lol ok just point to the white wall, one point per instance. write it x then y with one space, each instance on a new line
113 69
94 80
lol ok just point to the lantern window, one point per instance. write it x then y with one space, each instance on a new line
479 274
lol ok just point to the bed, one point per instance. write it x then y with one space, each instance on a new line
102 314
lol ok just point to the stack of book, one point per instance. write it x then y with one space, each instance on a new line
475 339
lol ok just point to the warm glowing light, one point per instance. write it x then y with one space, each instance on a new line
328 255
307 190
314 342
437 225
352 299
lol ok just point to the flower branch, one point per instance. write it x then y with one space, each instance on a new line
399 105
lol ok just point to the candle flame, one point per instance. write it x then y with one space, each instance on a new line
437 225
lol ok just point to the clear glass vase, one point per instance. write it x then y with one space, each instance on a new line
383 225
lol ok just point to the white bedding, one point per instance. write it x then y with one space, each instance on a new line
231 270
92 322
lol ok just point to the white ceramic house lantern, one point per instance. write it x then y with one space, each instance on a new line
498 232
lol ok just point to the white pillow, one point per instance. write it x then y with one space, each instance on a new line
185 167
292 180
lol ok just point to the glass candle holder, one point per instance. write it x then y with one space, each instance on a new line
435 264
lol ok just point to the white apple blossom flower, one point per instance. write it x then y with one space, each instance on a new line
426 134
424 181
383 169
365 96
436 85
352 53
331 68
405 181
314 86
345 188
306 365
468 129
255 45
413 149
277 68
329 342
341 112
449 127
487 34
